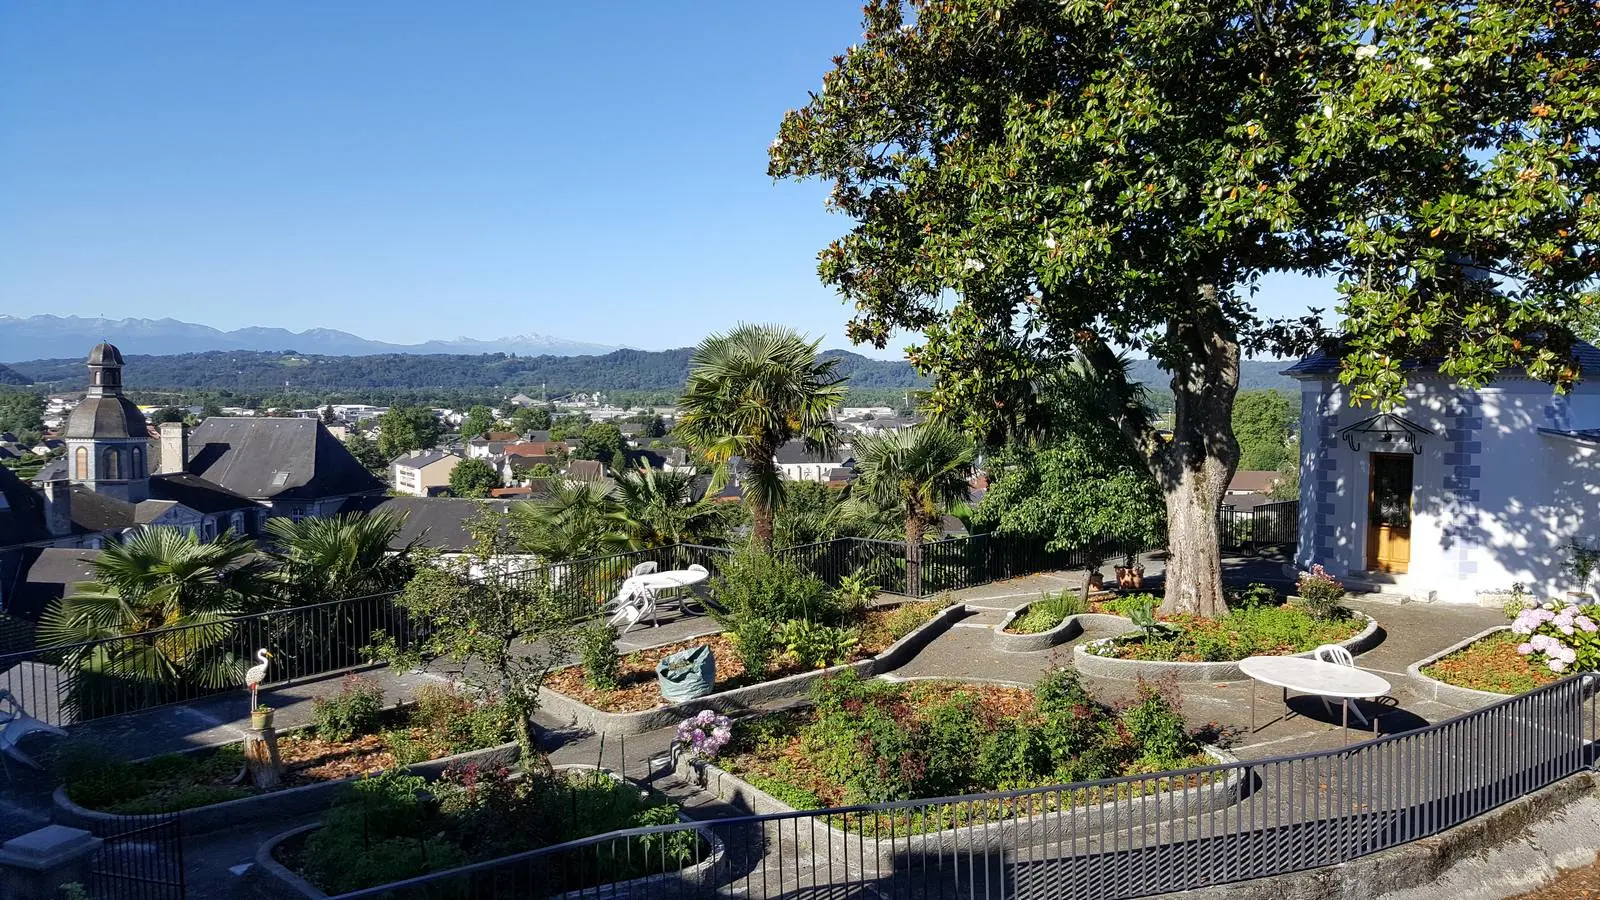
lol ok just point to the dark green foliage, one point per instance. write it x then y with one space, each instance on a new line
356 710
598 650
1254 596
21 412
477 420
1264 423
473 478
602 442
95 780
366 452
1049 611
406 428
757 594
385 828
458 722
882 741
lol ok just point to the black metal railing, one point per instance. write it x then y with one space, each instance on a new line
76 682
1267 525
1112 839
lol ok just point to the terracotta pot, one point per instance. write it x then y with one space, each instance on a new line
1097 580
260 719
1136 577
1122 577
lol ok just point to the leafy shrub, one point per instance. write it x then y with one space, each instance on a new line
854 594
457 722
753 584
1517 600
1265 630
1255 596
1155 724
167 783
1049 611
598 650
815 645
356 710
383 828
1320 593
1561 638
755 641
1122 606
910 615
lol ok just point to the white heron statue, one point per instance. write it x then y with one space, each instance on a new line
256 674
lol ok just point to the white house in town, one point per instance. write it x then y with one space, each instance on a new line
1459 493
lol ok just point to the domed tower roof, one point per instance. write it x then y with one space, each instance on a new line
105 354
104 412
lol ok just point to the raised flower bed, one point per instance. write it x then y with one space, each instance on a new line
386 828
355 736
889 637
1541 645
939 738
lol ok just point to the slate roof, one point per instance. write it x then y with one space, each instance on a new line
638 459
43 574
1256 481
111 416
795 453
197 493
1323 363
438 522
1586 435
92 512
276 459
56 470
423 458
585 470
21 511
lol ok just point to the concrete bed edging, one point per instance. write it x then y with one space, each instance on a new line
286 883
1450 694
870 857
1188 672
281 804
1069 628
743 700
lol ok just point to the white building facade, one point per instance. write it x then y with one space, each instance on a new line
1459 493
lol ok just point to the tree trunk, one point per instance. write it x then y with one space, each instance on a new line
261 762
913 556
761 526
757 494
1195 466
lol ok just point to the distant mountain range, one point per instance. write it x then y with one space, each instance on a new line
258 374
45 337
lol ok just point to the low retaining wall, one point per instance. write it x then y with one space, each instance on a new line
278 880
742 700
872 858
1129 669
282 804
1459 697
1070 627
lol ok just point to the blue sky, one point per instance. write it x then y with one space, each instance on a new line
413 170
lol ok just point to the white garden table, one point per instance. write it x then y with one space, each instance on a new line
636 599
1312 676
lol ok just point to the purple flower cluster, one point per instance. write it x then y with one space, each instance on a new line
1555 634
705 734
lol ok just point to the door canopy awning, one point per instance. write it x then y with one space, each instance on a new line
1385 433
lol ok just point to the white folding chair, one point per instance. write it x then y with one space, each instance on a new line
1339 656
16 723
631 611
644 568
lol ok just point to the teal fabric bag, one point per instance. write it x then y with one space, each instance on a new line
687 674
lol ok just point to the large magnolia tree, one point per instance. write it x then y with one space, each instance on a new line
1036 178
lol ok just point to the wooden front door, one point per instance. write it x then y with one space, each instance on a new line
1389 513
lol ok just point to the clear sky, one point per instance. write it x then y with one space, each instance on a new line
416 169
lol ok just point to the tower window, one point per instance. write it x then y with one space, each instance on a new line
80 464
111 463
138 463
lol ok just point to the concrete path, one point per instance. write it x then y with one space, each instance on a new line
964 652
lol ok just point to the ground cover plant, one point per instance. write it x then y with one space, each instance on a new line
1047 612
1493 664
875 630
352 734
393 826
869 741
1255 626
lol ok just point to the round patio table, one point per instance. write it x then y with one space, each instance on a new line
1312 676
644 591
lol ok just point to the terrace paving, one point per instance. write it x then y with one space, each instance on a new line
1412 631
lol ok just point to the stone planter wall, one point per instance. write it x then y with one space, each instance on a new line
1459 697
742 700
277 880
1129 669
871 858
283 804
1070 627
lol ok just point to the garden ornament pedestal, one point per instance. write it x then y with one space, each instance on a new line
261 760
36 865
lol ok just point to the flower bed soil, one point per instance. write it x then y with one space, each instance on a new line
784 769
1491 663
187 781
639 690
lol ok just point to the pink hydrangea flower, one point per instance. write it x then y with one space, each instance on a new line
1524 649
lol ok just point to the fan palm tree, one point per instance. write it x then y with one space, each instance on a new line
749 392
660 510
577 520
922 471
169 582
349 555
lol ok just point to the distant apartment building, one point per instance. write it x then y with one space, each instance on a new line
422 473
799 464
